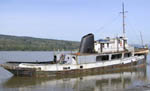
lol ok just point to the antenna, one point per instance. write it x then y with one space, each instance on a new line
123 19
141 39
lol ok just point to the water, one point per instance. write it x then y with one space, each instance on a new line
135 80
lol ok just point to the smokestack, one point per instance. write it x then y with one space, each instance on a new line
87 44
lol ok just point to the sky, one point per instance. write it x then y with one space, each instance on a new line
72 19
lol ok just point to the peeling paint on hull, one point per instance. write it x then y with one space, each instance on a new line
101 70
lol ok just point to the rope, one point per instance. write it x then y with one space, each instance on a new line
133 30
107 24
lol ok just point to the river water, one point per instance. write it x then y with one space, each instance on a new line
134 80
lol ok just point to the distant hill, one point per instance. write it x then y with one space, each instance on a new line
15 43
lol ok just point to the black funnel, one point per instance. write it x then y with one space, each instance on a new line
87 44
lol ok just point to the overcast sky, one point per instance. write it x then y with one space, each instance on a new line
71 19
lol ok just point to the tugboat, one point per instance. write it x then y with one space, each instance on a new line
104 55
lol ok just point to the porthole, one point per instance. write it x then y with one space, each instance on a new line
81 67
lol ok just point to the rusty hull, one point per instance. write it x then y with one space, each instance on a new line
17 71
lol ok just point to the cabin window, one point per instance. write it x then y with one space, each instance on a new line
65 68
102 58
107 45
139 54
127 55
116 56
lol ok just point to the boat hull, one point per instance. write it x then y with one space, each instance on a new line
102 70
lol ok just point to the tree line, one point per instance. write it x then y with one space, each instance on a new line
15 43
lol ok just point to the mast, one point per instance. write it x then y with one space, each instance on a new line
123 25
141 39
123 19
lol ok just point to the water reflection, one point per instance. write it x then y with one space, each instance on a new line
91 82
123 80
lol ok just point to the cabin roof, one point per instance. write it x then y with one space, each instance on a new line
103 41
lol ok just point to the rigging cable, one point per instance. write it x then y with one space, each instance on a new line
134 30
102 28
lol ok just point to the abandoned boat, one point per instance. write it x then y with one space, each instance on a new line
101 56
104 55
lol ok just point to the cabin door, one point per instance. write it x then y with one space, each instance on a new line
102 47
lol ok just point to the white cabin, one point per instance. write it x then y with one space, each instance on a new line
112 45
